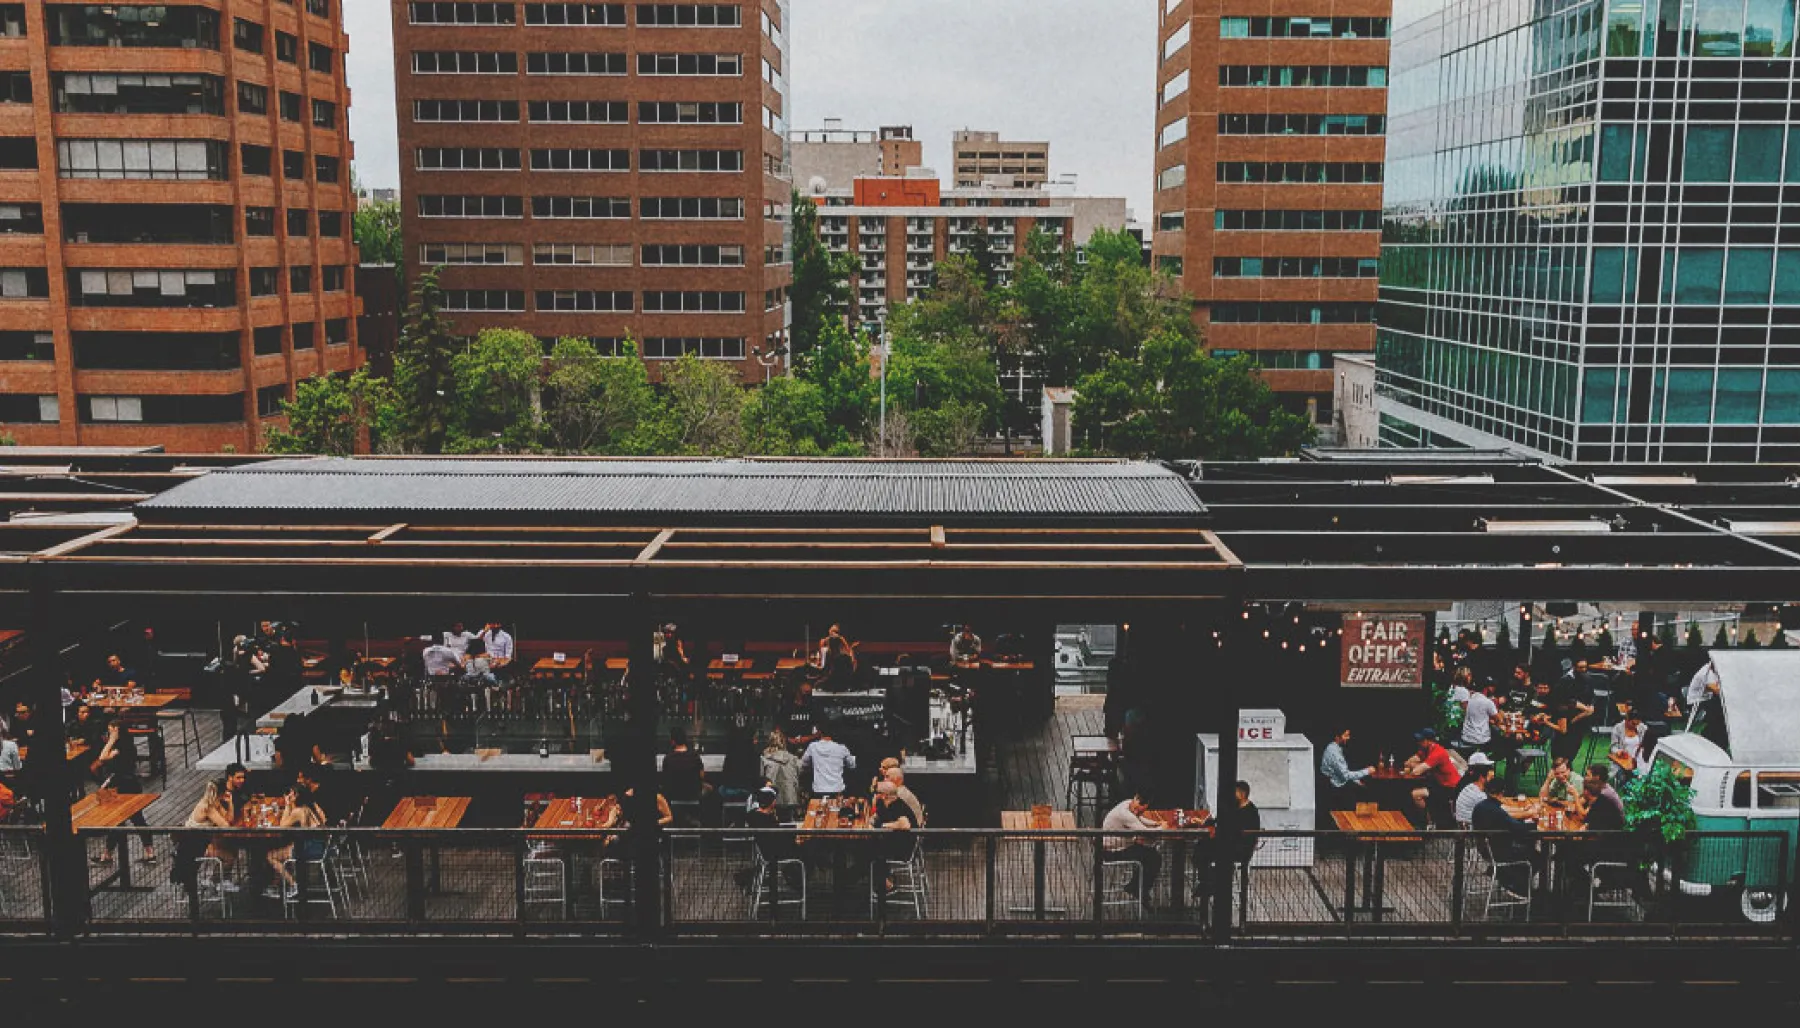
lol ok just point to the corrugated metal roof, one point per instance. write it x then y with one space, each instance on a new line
711 487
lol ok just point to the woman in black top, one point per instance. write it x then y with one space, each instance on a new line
118 768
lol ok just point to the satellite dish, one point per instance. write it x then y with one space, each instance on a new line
817 186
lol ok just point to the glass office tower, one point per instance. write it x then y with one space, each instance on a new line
1591 239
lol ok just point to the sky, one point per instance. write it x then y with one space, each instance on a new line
1080 73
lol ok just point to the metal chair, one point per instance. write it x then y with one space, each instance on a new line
1530 760
1122 885
546 883
1090 785
209 886
319 888
1622 898
626 877
1492 868
762 890
909 882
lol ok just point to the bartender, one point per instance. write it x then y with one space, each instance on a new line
799 721
965 646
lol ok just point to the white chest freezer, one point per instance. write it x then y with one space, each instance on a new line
1281 775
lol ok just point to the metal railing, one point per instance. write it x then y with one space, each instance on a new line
688 884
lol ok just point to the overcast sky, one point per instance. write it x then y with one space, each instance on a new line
1080 73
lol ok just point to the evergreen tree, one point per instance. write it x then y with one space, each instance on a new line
1750 642
821 280
1722 641
1695 638
423 375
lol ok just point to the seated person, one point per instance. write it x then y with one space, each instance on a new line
1474 788
664 816
897 778
965 646
1126 841
1345 785
477 668
1434 801
1628 739
498 643
891 815
1561 785
1513 840
772 845
1600 806
115 675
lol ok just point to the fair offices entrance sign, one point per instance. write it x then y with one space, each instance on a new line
1383 651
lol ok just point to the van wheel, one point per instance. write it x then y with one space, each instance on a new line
1759 906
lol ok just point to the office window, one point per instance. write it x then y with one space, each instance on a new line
1172 177
465 110
266 341
666 348
464 62
331 224
18 153
326 169
484 300
247 36
114 408
727 65
581 160
324 114
699 301
1689 396
177 160
27 346
570 300
666 15
337 331
434 254
1172 133
1739 397
22 219
290 107
575 14
265 281
1171 221
581 207
1302 124
582 254
586 112
691 160
24 283
1175 87
470 207
252 98
318 58
1698 272
680 113
303 335
287 48
293 165
1758 153
1787 276
1177 41
259 221
440 158
705 208
257 160
669 255
1708 154
269 400
1748 274
332 278
464 13
576 64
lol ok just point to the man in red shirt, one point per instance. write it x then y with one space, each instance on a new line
1435 801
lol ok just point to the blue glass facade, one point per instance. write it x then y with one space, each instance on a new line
1591 236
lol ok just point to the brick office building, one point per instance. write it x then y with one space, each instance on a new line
175 218
1270 150
601 170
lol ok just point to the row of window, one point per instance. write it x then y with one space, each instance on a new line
655 255
1296 267
648 15
177 160
1297 221
662 208
1277 313
165 351
1303 28
1310 172
586 112
512 301
464 62
434 158
1302 75
1284 360
1302 124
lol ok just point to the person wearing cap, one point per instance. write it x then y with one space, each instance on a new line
764 817
1435 800
1474 789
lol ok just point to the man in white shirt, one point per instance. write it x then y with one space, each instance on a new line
499 644
457 638
828 759
1124 842
1478 719
441 660
1474 788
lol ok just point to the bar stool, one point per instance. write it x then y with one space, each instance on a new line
1090 785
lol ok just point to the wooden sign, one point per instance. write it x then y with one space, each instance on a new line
1383 651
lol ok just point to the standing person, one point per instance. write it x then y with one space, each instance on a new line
965 646
782 769
118 759
498 643
683 772
828 759
1478 720
837 659
799 721
1628 738
10 761
1434 801
1126 842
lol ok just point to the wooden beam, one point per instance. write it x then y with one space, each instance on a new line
937 537
387 533
83 542
649 552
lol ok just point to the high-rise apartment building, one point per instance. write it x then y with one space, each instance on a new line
601 170
983 158
175 218
1269 144
1593 231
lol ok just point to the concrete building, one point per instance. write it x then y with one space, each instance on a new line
983 158
175 219
601 170
1269 165
1355 410
835 157
1591 254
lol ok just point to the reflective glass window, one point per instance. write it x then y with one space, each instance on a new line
1759 153
1747 276
1718 28
1708 156
1597 396
1697 275
1690 396
1787 277
1783 400
1740 396
1769 28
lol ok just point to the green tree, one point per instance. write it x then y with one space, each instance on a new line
786 418
1175 402
1780 642
376 228
821 280
839 367
981 255
332 414
1750 642
497 387
1695 638
706 408
950 429
1722 641
596 404
423 377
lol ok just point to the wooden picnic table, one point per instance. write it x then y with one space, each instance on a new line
106 809
1023 821
118 701
1180 820
618 663
550 664
1382 822
1545 816
261 812
1369 831
425 812
594 815
73 750
823 817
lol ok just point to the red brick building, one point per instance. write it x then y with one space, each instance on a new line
601 170
175 218
1270 146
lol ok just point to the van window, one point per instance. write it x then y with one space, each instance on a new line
1682 772
1740 791
1778 790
